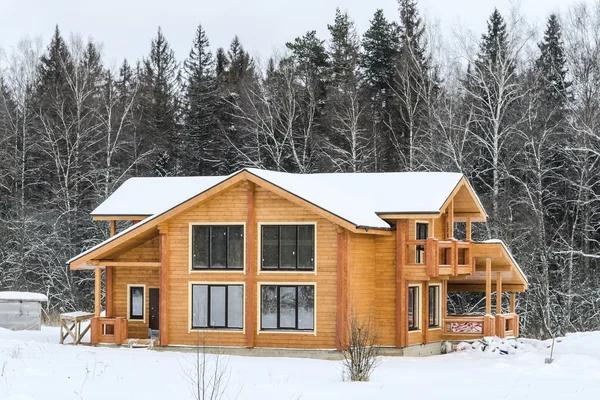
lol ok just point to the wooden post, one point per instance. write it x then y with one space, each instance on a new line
425 314
513 303
430 256
250 265
163 294
454 256
400 254
108 276
498 293
97 290
468 229
488 285
341 327
450 211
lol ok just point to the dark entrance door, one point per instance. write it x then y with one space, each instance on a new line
154 304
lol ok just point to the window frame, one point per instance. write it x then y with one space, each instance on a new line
191 327
280 270
437 308
130 317
278 330
420 250
193 270
416 307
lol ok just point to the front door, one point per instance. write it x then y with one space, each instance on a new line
154 305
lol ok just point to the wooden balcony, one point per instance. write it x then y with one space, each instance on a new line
109 330
442 257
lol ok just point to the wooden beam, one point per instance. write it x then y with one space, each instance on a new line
498 292
513 302
450 220
468 229
111 263
108 276
341 327
480 287
97 291
425 313
488 286
163 294
400 252
495 268
251 266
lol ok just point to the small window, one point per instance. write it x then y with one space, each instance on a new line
413 308
217 247
288 247
217 306
288 307
136 302
434 306
422 233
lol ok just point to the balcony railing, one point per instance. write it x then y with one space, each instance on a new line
109 330
443 257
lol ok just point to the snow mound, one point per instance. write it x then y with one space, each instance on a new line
496 345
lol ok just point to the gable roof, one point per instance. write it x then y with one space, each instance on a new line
355 199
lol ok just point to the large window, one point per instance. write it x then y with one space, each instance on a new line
136 302
217 306
413 308
422 232
288 247
217 247
434 306
288 307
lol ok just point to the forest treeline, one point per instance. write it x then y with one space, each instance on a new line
517 110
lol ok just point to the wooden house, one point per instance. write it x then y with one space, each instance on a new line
264 259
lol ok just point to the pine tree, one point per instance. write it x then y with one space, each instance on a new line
552 67
343 49
493 48
159 100
380 49
201 101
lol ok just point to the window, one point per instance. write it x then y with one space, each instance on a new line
136 302
413 308
288 247
434 306
422 232
217 306
217 247
288 307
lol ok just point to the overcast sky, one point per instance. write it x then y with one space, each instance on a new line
125 27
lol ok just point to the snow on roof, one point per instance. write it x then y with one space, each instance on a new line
148 196
355 197
22 296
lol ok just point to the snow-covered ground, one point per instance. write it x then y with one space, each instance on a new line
34 366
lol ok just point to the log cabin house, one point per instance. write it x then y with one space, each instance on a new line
264 259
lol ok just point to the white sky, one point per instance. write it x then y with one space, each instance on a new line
125 27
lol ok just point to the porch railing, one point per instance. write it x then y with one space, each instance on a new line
109 330
507 325
443 257
465 327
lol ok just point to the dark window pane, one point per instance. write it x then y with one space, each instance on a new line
200 243
422 231
306 246
137 302
269 307
199 306
270 247
306 307
235 306
411 307
218 246
288 247
235 253
217 306
433 306
287 307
